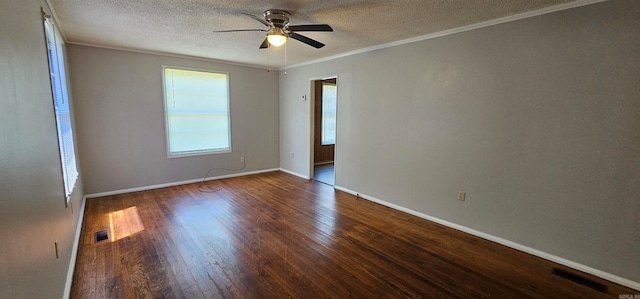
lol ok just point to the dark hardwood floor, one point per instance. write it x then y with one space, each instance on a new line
278 236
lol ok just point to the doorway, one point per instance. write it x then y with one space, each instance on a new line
324 130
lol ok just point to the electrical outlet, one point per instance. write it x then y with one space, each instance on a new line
293 155
241 159
462 195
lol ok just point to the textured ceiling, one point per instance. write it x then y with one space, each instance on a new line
186 27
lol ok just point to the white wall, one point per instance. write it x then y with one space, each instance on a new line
32 209
121 127
538 120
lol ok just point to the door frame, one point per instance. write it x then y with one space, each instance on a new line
312 102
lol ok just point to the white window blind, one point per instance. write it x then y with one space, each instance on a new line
329 102
197 112
61 106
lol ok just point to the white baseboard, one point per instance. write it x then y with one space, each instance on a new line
158 186
295 173
74 251
556 259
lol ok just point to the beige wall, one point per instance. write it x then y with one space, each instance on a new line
538 120
32 210
121 127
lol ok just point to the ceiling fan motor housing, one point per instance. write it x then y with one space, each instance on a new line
279 18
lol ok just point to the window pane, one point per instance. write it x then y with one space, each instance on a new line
61 107
329 101
197 111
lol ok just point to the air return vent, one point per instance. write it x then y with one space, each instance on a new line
102 236
580 280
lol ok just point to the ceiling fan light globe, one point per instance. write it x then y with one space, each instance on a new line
276 40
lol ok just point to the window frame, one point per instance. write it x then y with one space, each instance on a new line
322 120
171 155
66 150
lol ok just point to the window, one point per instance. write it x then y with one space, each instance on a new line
61 106
329 101
196 112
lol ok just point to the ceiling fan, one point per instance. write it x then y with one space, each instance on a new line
278 30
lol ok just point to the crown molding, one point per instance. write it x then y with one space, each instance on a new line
511 18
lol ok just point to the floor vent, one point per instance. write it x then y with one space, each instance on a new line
102 236
581 280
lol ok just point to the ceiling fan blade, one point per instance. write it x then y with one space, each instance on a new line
265 44
312 27
241 30
259 19
311 42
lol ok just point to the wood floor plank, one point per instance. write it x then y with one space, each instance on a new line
274 235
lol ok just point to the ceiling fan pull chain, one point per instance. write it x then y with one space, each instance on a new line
285 59
268 61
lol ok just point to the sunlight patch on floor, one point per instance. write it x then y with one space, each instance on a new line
124 223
